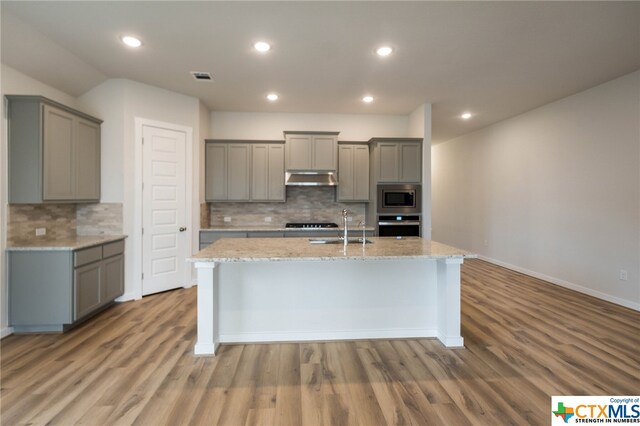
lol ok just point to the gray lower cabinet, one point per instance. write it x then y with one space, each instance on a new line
329 233
54 152
209 237
51 290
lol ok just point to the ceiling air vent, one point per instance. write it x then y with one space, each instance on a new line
201 76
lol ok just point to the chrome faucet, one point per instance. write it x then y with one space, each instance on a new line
345 215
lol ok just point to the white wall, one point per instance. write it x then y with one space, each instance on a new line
205 130
119 102
264 125
420 127
13 82
554 192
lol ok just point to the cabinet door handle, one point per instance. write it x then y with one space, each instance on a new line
183 229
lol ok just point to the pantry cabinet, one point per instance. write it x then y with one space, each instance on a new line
54 152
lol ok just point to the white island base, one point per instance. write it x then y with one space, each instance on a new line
350 297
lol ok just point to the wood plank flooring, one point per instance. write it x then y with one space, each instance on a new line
525 341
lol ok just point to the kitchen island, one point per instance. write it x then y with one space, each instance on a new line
288 289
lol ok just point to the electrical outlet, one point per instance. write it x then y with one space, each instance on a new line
349 219
267 219
41 231
623 275
486 243
227 219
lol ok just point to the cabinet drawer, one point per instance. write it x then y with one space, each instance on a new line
83 257
112 249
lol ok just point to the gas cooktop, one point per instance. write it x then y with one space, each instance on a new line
311 225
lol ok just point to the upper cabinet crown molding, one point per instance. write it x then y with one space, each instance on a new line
54 152
302 132
400 140
257 141
43 100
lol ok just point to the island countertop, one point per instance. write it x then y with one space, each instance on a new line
300 249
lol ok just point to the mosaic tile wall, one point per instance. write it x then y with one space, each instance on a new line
23 219
303 205
99 219
205 215
63 220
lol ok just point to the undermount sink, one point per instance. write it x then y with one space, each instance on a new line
338 241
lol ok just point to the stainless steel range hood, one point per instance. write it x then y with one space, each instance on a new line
310 179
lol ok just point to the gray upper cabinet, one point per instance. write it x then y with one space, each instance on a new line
244 171
311 150
397 160
87 160
215 172
267 172
54 152
238 172
353 172
227 172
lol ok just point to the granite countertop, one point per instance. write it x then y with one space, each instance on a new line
287 249
278 228
72 243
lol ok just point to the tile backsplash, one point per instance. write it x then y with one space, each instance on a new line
23 219
304 204
99 219
63 220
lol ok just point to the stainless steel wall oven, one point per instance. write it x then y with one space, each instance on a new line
398 225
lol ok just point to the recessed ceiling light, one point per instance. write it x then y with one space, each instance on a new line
384 51
262 46
131 41
367 99
466 115
272 97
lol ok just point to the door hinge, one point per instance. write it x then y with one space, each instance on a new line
142 231
143 275
142 141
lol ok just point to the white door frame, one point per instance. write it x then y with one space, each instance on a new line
136 238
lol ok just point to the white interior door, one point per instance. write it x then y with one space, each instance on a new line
164 208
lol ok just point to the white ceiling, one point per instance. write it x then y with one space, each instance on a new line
495 59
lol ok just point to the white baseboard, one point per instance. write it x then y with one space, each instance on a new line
129 296
566 284
6 332
300 336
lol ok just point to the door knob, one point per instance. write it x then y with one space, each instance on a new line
183 229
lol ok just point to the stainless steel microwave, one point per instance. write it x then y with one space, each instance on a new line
399 198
